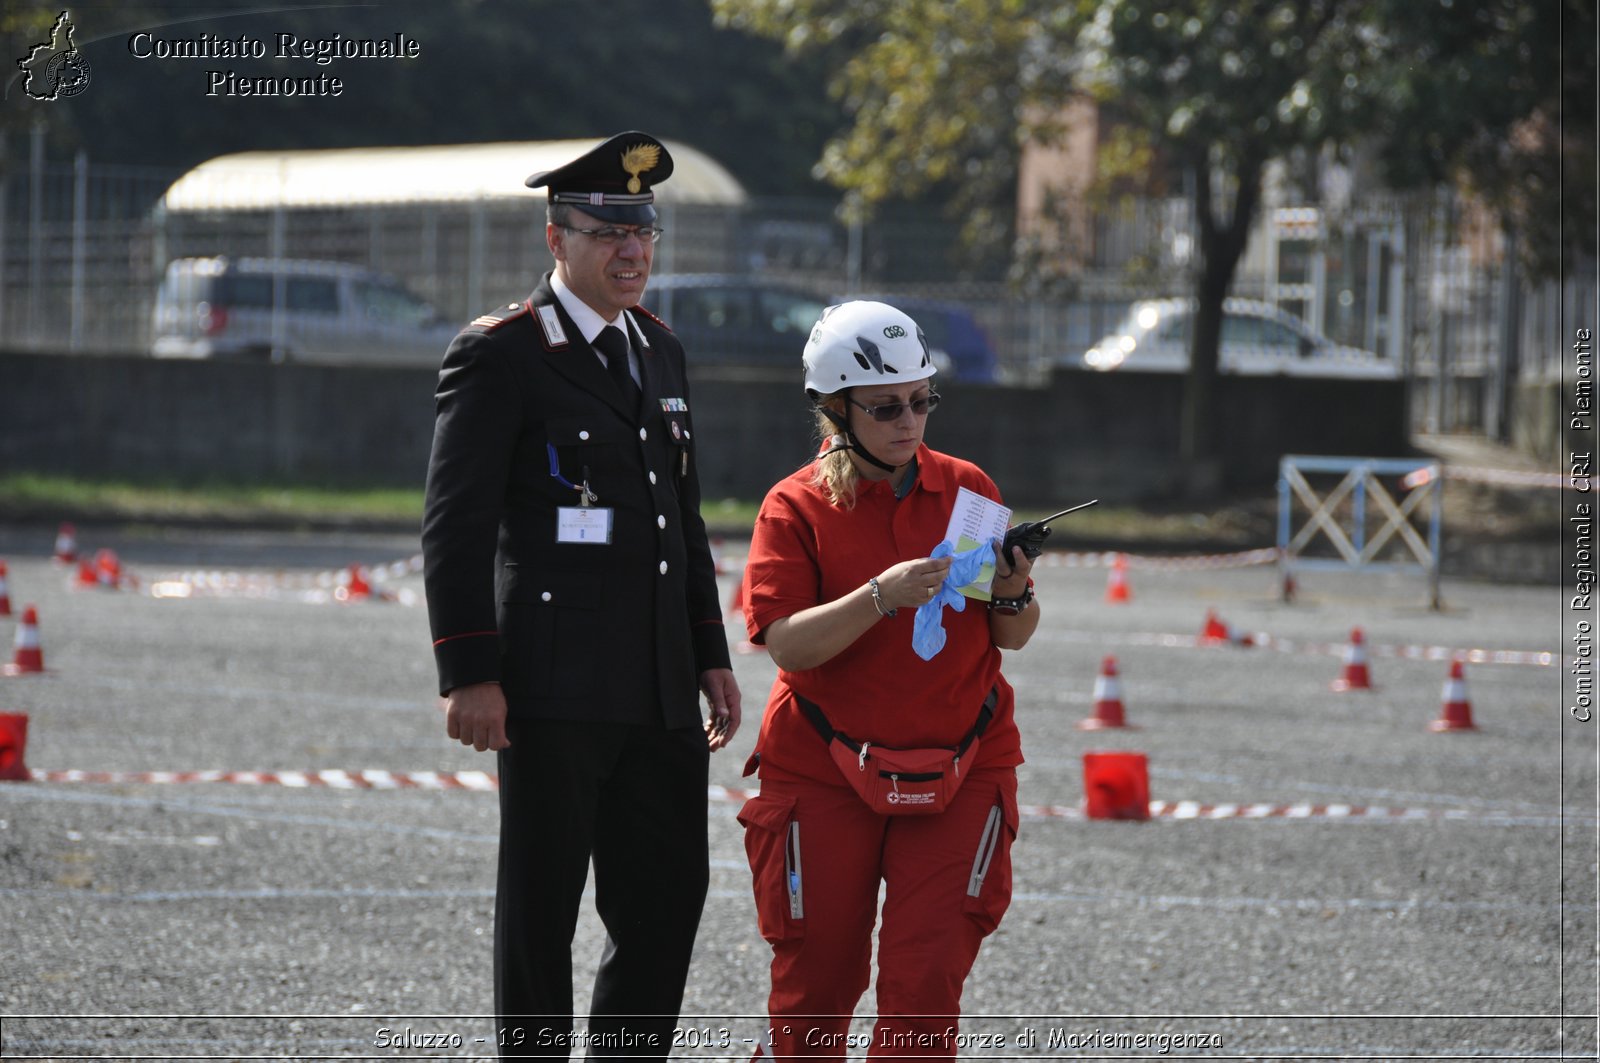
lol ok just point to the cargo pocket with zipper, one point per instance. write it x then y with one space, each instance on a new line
989 882
772 842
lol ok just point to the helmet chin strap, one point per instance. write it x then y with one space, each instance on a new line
850 443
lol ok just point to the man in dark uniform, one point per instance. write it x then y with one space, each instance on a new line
575 614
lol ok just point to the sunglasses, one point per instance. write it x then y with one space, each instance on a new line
891 411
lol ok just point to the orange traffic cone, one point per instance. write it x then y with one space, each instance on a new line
1216 630
87 576
1356 674
13 743
108 569
28 657
5 592
355 585
66 544
1117 590
1108 711
1116 785
1456 714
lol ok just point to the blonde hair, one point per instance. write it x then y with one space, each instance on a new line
836 474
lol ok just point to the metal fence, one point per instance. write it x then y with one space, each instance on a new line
82 251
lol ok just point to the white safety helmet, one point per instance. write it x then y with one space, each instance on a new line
863 342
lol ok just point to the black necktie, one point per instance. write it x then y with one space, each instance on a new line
614 345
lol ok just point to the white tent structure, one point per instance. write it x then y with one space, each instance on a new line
445 173
454 222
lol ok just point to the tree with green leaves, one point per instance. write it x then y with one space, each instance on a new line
939 90
933 90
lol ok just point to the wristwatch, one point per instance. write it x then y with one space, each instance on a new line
1012 606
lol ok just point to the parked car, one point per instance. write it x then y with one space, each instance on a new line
1257 340
222 307
744 320
959 346
736 320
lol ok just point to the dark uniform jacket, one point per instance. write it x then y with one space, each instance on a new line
614 631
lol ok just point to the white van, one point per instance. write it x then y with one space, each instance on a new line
293 310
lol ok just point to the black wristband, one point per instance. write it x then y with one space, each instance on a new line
1012 606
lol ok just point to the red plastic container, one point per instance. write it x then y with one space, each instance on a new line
1116 785
13 741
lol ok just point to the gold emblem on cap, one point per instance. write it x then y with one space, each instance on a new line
637 160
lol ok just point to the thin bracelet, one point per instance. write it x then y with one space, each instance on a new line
877 598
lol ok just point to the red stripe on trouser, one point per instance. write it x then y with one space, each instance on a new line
932 926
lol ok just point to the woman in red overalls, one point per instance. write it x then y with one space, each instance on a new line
840 561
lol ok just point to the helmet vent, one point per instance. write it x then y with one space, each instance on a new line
871 358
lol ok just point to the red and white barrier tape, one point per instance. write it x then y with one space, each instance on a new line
1262 640
1108 558
213 582
314 586
1539 658
484 782
371 779
1242 559
333 585
1476 474
1197 810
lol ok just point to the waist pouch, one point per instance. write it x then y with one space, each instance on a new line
900 782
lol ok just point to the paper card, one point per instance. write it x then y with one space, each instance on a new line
976 520
583 524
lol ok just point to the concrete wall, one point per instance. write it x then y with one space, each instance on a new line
1110 435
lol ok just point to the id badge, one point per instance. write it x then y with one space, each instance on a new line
583 524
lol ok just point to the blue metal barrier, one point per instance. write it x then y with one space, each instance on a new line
1422 483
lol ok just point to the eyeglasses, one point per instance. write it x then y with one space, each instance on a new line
891 411
615 234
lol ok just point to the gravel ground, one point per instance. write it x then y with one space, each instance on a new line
218 920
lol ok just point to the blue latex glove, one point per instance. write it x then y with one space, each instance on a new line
927 628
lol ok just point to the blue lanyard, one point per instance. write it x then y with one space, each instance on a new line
587 496
555 468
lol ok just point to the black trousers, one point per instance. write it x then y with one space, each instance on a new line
633 798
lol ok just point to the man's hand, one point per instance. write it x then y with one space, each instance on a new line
475 715
722 694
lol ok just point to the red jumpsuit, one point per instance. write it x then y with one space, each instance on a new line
817 851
